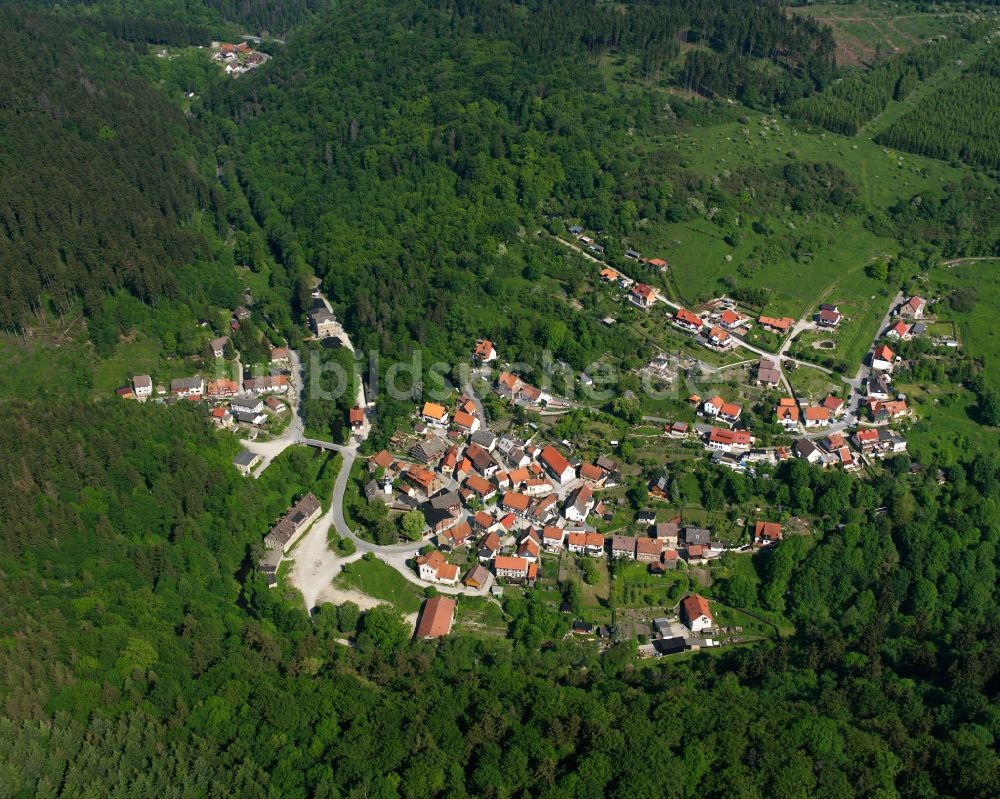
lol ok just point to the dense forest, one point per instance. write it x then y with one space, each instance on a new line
426 170
109 202
154 18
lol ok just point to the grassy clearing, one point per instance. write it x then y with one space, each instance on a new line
480 616
946 424
375 578
977 328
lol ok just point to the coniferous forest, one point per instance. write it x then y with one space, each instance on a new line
418 158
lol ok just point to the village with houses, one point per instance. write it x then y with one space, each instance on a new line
507 505
237 59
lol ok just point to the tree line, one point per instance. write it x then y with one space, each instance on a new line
958 122
860 96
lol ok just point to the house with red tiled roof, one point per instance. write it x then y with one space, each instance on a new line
594 543
865 440
433 568
913 308
697 614
467 422
828 316
766 533
481 487
730 412
658 263
687 320
515 503
436 618
529 549
648 550
816 416
731 320
380 460
557 465
356 417
900 330
455 537
776 325
609 275
488 548
642 296
511 568
434 414
484 351
552 538
712 406
592 474
576 543
787 413
835 405
722 440
720 338
883 359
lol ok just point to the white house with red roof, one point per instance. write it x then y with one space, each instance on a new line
766 533
722 440
484 352
816 416
828 316
642 296
718 337
712 406
883 359
900 330
688 320
913 307
557 465
697 614
731 320
433 568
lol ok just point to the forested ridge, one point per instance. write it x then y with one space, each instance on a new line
274 17
100 178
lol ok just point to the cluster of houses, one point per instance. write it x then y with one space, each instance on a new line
283 535
237 58
244 405
581 236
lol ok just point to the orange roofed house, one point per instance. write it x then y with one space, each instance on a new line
436 618
642 296
557 465
781 325
484 352
434 414
766 533
687 320
723 440
697 614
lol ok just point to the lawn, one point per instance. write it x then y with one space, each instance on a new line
633 586
812 385
375 578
